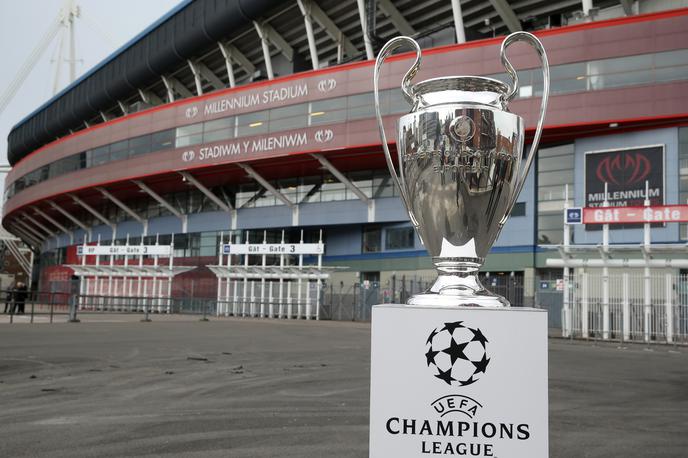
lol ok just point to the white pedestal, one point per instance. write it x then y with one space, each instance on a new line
458 382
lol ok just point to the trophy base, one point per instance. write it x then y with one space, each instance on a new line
483 299
458 286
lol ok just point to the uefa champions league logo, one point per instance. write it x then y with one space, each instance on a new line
457 354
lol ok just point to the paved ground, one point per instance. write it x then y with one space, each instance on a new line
113 386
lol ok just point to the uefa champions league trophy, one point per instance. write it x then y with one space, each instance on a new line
459 156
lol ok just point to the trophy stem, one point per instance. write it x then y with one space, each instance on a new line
458 285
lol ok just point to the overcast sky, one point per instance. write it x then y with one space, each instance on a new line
103 27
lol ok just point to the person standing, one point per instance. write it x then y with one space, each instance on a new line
8 298
20 295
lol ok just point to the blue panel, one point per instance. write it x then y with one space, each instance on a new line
102 231
390 209
211 221
520 230
164 225
264 217
79 236
131 227
666 137
63 240
339 212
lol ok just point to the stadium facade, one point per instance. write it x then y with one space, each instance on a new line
232 117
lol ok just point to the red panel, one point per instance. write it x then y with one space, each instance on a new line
630 215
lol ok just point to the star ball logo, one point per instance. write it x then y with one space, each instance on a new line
457 354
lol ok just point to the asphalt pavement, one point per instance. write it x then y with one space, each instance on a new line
113 386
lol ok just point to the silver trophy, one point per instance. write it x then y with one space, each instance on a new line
459 158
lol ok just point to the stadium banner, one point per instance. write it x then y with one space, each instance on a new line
625 172
124 250
273 248
460 381
636 215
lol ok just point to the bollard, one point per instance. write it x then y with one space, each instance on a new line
52 312
32 307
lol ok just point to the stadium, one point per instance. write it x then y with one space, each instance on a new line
249 122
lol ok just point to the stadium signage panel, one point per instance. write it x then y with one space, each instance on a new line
636 215
254 99
625 172
257 145
124 250
274 248
272 95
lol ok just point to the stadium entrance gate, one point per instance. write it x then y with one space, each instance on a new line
129 278
623 291
286 283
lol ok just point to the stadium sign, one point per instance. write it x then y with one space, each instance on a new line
625 172
124 250
289 141
438 382
273 248
636 215
573 215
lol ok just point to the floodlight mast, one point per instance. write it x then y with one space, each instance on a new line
63 23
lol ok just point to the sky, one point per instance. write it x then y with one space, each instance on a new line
103 27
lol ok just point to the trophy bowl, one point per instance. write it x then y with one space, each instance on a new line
459 156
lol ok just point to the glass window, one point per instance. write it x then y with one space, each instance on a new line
209 243
397 102
363 180
519 209
547 164
139 145
289 117
383 186
252 124
564 78
360 106
328 111
218 129
332 189
189 135
119 150
100 155
555 172
372 239
399 238
162 140
555 177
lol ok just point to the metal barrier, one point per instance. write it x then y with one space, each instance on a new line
627 307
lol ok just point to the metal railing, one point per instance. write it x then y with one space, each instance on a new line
631 307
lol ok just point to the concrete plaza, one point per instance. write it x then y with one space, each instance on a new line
113 386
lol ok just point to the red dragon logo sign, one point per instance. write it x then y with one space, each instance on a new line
624 168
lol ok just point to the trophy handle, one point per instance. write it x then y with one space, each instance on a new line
407 89
535 43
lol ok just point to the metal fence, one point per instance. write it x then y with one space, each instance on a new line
633 306
628 306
